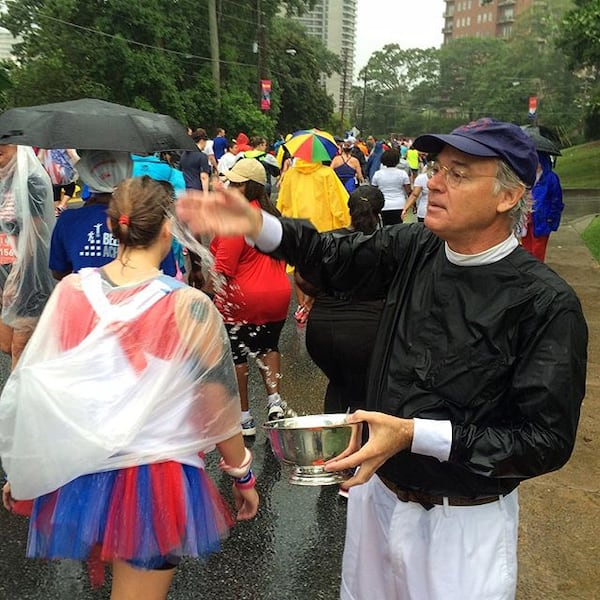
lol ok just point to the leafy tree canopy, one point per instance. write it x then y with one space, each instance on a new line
580 34
155 55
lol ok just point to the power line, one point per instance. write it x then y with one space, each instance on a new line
185 55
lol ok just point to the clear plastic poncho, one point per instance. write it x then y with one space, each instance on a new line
144 376
26 223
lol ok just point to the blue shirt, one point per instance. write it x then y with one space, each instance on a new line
192 164
219 146
81 239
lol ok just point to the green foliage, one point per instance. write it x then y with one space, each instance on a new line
240 112
397 85
591 238
579 39
580 34
578 166
412 91
155 55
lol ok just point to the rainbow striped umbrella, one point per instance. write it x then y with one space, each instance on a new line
312 145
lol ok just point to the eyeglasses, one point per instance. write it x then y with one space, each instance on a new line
453 176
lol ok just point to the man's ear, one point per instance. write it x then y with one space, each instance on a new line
509 198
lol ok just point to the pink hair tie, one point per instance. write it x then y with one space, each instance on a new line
123 220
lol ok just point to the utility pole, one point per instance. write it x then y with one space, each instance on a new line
364 99
214 48
262 42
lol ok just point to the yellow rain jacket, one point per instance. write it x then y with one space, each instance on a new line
313 191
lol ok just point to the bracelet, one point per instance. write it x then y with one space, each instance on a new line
247 482
238 472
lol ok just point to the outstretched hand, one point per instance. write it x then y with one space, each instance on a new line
223 211
388 435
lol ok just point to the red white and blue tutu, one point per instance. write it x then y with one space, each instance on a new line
151 516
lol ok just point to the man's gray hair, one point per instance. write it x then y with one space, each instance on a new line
506 179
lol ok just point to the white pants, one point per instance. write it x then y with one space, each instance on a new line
399 551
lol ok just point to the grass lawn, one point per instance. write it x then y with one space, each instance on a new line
591 237
579 166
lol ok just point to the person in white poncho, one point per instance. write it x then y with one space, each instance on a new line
126 383
26 223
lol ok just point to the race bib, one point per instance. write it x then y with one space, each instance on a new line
7 249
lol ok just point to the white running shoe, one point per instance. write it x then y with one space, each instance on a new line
275 407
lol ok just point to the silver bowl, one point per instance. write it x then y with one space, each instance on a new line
307 442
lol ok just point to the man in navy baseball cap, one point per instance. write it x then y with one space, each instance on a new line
476 375
488 138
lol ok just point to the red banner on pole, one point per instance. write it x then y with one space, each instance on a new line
532 106
265 94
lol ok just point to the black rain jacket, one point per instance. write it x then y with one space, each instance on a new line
499 350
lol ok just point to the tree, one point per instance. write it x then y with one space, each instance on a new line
67 52
409 91
395 83
151 54
579 39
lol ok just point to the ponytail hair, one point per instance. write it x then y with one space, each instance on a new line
365 204
137 211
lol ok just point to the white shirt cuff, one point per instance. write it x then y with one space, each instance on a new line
432 438
270 235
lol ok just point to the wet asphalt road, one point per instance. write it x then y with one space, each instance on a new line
290 551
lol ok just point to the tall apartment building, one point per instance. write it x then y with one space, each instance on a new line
481 18
334 23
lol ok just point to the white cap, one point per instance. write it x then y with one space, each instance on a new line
103 170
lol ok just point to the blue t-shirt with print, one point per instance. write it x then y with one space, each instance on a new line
81 238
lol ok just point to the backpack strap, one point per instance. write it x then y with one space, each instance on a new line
91 284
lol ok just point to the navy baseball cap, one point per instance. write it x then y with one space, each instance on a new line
488 137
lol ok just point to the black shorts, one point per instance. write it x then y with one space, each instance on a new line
391 217
160 563
69 191
253 339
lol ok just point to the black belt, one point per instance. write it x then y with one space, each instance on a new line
428 501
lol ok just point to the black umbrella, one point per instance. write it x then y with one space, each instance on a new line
541 139
93 125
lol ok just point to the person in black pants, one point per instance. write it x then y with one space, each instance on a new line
340 332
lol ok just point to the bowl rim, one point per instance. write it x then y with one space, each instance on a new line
278 424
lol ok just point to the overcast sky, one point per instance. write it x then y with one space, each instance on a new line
409 23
